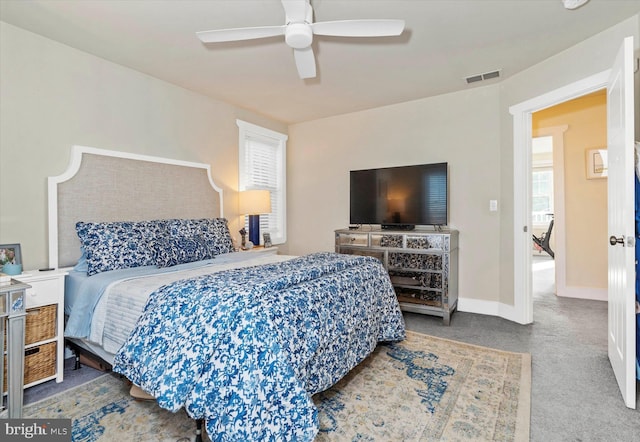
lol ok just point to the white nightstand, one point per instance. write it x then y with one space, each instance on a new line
262 250
44 334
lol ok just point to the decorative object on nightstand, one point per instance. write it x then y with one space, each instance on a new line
10 259
243 234
254 203
267 239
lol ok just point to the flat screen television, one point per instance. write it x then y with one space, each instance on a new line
400 197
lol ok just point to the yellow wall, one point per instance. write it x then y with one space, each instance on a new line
585 200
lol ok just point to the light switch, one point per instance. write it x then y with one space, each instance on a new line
493 205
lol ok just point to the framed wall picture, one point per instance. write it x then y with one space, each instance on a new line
10 254
597 166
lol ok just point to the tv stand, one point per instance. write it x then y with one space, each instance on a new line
403 227
422 265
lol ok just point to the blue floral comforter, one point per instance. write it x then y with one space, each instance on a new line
245 349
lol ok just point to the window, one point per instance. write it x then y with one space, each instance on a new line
542 180
262 162
542 196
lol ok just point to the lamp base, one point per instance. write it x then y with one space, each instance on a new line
254 229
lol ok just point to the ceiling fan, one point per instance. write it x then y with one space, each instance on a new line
299 31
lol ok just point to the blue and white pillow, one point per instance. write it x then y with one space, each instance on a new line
118 245
126 244
189 240
180 249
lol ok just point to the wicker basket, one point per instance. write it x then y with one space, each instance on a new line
39 326
39 363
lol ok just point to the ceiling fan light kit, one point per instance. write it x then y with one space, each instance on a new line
298 35
299 31
573 4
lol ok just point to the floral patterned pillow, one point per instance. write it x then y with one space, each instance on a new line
213 231
118 245
180 249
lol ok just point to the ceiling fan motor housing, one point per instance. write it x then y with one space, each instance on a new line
298 35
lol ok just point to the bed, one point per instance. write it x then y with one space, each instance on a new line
241 340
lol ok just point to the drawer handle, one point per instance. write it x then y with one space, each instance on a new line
32 351
33 311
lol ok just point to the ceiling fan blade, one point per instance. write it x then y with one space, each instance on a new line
297 11
359 28
305 62
235 34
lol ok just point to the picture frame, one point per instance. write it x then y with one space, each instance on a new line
597 165
10 254
267 239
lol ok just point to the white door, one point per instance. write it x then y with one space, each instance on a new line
622 275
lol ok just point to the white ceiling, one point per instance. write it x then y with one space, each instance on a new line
444 42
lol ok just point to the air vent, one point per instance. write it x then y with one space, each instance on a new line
485 76
474 78
490 75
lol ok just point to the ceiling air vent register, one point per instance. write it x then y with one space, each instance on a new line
480 77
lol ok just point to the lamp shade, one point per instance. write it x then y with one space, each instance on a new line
255 202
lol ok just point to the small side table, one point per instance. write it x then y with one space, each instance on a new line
12 307
273 250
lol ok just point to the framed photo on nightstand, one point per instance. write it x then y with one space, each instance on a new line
267 239
10 254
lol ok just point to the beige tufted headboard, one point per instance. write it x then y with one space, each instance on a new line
104 185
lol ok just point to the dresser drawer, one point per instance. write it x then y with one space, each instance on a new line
42 293
352 239
428 242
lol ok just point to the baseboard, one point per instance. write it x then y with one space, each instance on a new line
591 293
491 308
509 312
479 306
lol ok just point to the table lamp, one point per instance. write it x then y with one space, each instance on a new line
253 203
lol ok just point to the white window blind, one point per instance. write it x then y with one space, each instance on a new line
262 166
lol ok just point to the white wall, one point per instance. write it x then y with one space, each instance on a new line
53 96
471 130
460 128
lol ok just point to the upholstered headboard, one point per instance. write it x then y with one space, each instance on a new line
102 185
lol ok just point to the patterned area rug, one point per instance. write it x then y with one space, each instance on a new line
423 389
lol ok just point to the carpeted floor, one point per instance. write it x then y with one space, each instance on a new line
423 389
574 397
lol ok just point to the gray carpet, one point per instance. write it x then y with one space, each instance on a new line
72 378
574 395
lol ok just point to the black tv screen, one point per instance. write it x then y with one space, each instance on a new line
400 197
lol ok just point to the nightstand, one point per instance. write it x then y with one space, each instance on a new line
262 250
44 331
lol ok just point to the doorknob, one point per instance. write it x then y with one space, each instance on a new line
613 240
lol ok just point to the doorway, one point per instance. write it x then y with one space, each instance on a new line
618 82
523 134
543 205
564 135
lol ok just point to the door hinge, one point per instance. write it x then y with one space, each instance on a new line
525 229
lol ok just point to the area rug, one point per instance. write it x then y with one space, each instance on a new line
422 389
